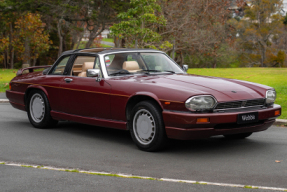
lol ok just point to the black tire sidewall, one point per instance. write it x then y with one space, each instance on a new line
160 135
47 120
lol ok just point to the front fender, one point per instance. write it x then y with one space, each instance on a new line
148 94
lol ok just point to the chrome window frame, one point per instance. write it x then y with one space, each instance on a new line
103 64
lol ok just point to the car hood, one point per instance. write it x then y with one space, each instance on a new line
189 85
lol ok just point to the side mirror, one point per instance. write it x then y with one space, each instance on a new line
94 73
185 67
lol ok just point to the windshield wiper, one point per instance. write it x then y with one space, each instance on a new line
120 72
150 70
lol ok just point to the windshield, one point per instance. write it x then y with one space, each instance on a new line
131 63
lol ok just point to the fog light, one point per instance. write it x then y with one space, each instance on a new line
277 113
202 120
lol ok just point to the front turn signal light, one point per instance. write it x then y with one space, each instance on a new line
202 120
277 113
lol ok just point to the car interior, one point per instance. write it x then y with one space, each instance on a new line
129 62
81 65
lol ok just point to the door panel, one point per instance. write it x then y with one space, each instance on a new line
52 81
51 84
85 96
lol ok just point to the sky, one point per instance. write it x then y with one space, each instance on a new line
285 5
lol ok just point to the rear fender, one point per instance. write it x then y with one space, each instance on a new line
30 87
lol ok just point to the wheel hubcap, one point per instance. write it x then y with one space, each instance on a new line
144 126
37 108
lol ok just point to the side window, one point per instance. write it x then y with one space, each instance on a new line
97 64
60 68
83 63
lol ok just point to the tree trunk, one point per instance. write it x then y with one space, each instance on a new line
173 50
11 47
79 40
117 42
93 34
27 51
12 58
64 44
214 62
263 55
5 60
34 61
123 43
74 40
60 39
182 59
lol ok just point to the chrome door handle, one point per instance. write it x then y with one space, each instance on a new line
68 80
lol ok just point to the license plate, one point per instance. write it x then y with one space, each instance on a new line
247 118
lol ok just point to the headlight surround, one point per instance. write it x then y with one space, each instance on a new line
200 103
270 97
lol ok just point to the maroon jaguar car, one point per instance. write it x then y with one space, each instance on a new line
143 91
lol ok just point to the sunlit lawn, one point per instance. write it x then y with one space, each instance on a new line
108 40
5 76
274 77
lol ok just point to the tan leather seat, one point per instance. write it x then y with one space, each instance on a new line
131 66
85 67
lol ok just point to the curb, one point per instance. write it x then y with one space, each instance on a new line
281 122
4 101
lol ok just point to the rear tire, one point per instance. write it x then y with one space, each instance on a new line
38 109
147 127
238 136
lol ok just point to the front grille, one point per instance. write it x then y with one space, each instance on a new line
239 104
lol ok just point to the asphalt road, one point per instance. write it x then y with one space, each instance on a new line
108 43
71 145
3 96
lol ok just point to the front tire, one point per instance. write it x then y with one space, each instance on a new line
147 127
238 136
38 110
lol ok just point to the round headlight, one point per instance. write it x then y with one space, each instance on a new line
270 97
200 103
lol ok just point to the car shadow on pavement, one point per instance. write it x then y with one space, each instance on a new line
114 137
89 131
217 143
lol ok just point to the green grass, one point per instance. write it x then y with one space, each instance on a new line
106 46
273 77
5 77
108 40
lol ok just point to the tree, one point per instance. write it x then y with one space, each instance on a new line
30 39
257 30
140 24
198 28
